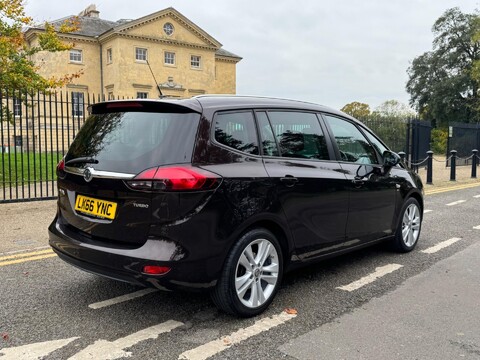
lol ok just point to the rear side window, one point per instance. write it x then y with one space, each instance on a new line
130 142
353 146
299 135
237 131
269 146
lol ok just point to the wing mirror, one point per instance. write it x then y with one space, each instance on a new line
390 159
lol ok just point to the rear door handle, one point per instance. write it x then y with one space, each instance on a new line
289 180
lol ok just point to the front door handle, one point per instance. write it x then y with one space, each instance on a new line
358 182
289 180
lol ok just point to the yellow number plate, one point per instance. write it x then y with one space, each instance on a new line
99 208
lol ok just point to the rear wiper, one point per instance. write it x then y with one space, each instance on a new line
82 160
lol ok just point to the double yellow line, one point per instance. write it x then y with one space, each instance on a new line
24 257
451 188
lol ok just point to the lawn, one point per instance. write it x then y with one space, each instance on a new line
27 167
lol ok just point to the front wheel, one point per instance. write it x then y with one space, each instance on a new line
251 275
408 229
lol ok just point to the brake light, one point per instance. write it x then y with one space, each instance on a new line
61 169
124 104
174 179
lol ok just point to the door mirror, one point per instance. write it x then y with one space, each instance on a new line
390 159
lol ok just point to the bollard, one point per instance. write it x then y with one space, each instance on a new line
474 163
429 167
453 164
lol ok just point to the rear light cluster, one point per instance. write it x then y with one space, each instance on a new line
174 179
155 270
61 169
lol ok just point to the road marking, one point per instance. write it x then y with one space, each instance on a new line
120 299
34 351
25 250
216 346
456 202
110 350
378 273
26 256
476 196
450 188
477 227
441 246
427 211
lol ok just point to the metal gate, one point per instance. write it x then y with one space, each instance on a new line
463 138
418 141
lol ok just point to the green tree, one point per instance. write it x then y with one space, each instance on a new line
394 109
17 70
442 83
357 109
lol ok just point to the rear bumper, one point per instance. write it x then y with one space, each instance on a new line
126 264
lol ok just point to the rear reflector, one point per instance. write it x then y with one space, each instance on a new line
155 270
174 179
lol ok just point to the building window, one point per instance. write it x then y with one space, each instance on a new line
195 61
142 95
109 56
169 58
168 29
76 56
17 107
140 54
77 104
111 96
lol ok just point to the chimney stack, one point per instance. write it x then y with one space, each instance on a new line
90 11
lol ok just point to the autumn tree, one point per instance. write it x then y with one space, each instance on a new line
444 82
394 109
357 109
17 70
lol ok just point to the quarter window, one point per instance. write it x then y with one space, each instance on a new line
77 103
237 130
299 135
76 56
140 54
195 61
169 58
353 146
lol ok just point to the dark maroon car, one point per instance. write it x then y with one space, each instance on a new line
226 193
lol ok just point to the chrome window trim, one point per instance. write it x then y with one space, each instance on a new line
99 174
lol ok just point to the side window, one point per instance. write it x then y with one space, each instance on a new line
375 142
237 130
269 146
299 135
353 146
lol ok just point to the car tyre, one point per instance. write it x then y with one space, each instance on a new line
251 275
409 226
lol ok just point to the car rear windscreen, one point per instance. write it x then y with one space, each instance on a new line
130 142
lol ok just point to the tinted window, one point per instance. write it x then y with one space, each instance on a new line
269 146
299 134
353 146
237 130
130 142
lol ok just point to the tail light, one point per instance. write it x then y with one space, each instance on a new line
174 179
61 169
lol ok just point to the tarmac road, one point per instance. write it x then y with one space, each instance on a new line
370 304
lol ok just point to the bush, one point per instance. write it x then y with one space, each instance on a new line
439 141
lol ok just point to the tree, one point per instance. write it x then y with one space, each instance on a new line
357 109
442 82
17 70
394 109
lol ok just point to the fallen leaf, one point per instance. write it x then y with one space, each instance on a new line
291 311
5 336
227 342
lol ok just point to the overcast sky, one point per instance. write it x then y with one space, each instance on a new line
331 52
